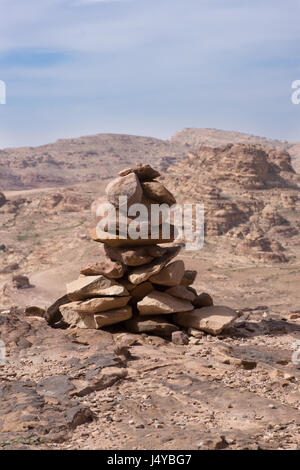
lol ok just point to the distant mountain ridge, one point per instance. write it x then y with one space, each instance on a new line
84 159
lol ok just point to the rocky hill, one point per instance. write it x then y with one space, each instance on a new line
80 160
95 157
250 194
216 137
195 138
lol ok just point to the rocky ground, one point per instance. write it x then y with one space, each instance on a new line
70 388
73 389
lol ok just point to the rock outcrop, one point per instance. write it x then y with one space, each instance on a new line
245 190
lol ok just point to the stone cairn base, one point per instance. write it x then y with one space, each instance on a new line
138 283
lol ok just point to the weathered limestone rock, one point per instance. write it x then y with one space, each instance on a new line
182 293
116 240
90 321
171 275
156 191
110 269
91 286
144 172
141 290
128 186
143 273
130 257
100 304
161 303
113 316
82 320
209 319
155 325
135 256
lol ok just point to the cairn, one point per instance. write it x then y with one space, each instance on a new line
138 282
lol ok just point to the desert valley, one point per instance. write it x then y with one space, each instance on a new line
154 383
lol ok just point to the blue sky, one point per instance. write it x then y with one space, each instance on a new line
147 67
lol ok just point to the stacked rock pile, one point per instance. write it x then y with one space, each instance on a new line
137 281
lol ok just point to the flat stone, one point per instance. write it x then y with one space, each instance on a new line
32 310
141 290
156 191
161 303
136 256
188 277
100 304
128 186
95 321
113 316
154 325
116 240
91 286
170 275
55 386
181 292
209 319
143 273
110 269
143 171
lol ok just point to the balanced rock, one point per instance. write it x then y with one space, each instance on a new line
91 286
113 316
140 291
99 304
108 268
85 320
135 256
128 186
143 273
155 325
161 303
144 172
157 192
166 234
188 277
171 275
209 319
182 293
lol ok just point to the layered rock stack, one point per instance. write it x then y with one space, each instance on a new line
138 281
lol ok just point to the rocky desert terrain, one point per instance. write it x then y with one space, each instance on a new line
65 387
